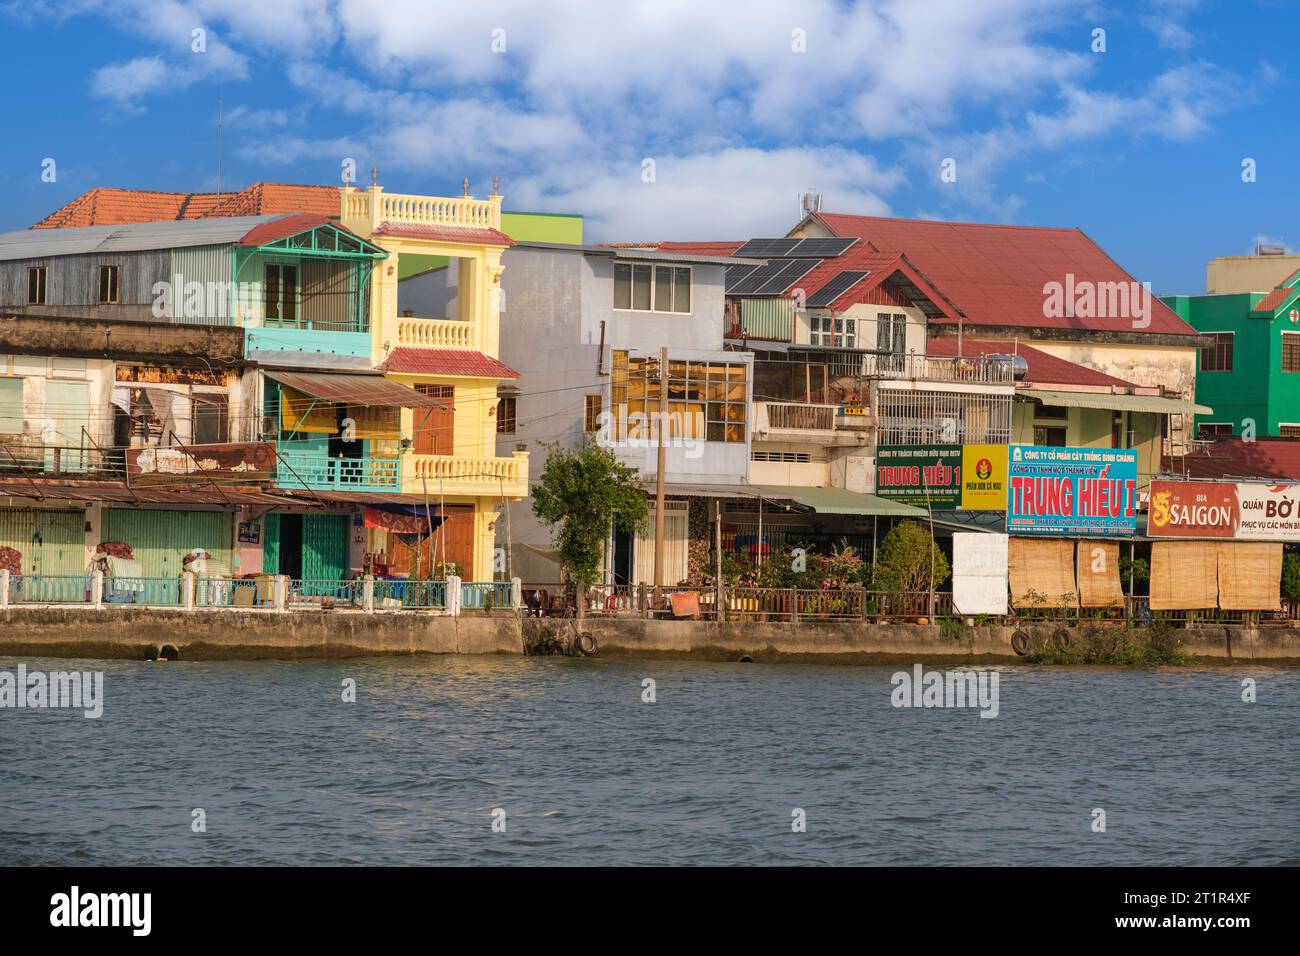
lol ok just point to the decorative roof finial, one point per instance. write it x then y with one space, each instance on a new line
496 185
374 175
464 186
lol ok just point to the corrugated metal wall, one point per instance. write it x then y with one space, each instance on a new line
161 538
74 280
328 293
51 542
324 547
768 319
209 265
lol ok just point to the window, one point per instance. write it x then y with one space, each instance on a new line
644 288
1291 351
1049 436
281 289
506 415
108 285
1216 352
11 406
36 285
705 399
1213 431
591 413
211 418
1052 412
891 339
837 330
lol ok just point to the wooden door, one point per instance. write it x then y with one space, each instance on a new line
434 427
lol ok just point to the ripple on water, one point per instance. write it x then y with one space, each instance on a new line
711 773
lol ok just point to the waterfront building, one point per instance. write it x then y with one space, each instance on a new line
1249 361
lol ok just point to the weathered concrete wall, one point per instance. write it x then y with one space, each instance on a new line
248 635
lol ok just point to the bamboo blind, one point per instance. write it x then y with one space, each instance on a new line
1098 574
1044 566
1184 575
1250 575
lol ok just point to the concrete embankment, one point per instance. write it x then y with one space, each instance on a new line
251 635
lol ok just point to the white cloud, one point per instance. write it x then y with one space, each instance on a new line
126 81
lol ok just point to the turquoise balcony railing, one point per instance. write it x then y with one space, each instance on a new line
298 470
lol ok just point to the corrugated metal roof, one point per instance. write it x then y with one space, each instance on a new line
132 237
116 491
363 390
1132 403
839 501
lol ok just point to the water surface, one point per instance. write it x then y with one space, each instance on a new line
587 773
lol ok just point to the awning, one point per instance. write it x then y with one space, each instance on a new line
1122 403
362 390
838 501
116 492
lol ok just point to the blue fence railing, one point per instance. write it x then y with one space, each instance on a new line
485 595
151 592
50 588
405 593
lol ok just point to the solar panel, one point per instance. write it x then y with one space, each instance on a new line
789 272
746 285
766 248
840 283
822 248
794 248
735 274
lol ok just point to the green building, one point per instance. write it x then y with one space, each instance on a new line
519 226
1249 365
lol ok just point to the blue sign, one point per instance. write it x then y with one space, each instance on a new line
1087 491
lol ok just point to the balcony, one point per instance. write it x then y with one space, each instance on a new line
374 206
457 475
323 473
806 422
435 333
979 369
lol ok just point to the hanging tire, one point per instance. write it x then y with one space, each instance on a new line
585 644
1020 642
1061 638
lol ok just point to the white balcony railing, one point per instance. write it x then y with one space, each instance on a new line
913 365
454 474
435 333
374 206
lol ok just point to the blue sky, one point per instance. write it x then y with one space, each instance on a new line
740 106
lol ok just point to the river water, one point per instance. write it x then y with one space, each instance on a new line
586 772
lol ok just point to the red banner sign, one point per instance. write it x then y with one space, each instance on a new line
1192 509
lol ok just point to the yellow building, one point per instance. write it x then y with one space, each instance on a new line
449 455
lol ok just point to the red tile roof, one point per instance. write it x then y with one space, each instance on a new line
109 207
996 274
1044 368
1273 301
1275 458
446 362
488 237
287 226
880 268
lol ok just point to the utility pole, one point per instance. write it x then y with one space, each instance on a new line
659 478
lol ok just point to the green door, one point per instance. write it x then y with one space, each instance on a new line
50 542
159 539
324 547
271 544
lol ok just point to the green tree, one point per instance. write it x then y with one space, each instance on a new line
1291 577
582 490
903 561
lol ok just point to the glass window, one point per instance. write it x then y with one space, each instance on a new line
622 285
11 406
506 415
682 289
646 288
1291 351
663 289
36 285
1216 352
108 285
641 280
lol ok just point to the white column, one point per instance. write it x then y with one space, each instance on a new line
4 589
280 591
453 596
187 590
516 593
368 593
97 589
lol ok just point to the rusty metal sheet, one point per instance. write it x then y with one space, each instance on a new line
364 390
248 461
